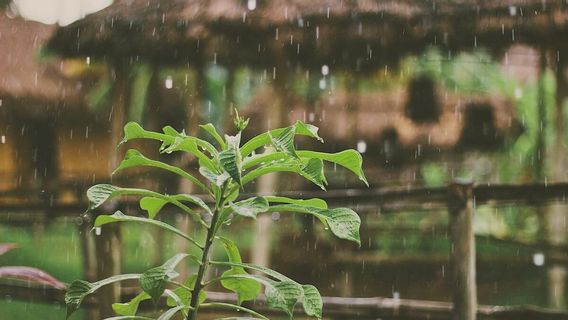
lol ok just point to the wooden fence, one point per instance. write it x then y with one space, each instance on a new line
459 197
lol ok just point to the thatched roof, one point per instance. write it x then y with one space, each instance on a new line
355 34
25 81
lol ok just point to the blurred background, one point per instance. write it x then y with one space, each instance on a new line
428 91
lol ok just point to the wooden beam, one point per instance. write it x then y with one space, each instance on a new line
462 255
334 307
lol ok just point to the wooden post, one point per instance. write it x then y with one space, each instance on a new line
462 254
108 243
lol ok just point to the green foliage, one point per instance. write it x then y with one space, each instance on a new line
224 173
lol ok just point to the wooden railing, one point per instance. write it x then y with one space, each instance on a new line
460 199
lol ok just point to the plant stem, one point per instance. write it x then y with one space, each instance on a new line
192 315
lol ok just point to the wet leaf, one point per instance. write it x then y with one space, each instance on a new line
154 280
312 303
131 307
118 216
246 289
250 207
349 159
230 158
79 289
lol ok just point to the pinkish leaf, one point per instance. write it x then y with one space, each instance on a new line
5 247
31 274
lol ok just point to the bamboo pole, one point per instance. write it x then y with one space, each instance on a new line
462 255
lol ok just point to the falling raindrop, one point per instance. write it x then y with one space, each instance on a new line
251 4
3 139
98 231
169 82
325 69
361 146
538 259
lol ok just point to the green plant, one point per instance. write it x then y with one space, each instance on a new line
225 172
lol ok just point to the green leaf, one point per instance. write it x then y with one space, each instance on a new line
79 289
343 222
313 171
230 158
349 159
100 193
134 158
284 141
250 207
152 205
312 303
118 216
216 179
154 280
184 294
263 139
283 295
315 202
210 128
171 141
130 308
245 289
170 313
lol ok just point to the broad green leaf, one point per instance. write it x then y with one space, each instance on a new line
251 266
100 193
118 216
250 207
283 295
263 139
312 170
314 202
171 141
152 205
267 157
343 222
230 158
192 199
184 294
210 128
79 289
214 178
284 141
154 280
312 303
134 158
190 144
170 313
130 308
245 289
349 159
200 142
